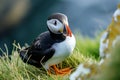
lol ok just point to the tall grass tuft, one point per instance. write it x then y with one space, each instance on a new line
12 67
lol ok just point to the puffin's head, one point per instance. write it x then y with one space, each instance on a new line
58 24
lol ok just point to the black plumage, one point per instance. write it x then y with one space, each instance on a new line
41 49
59 16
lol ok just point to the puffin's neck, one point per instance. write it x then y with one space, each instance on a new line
57 36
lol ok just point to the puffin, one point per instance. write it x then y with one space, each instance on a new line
51 47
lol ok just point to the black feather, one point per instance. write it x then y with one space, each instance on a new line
41 49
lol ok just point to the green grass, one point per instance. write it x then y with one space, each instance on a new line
86 50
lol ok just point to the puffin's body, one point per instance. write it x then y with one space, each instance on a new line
52 46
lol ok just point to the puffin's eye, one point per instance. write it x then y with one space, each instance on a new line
55 23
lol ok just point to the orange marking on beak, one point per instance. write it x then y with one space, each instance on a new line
69 33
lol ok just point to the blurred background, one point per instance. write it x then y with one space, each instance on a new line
24 20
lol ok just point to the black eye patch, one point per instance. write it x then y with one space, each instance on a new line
64 30
55 23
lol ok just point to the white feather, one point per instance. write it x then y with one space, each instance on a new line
55 28
62 51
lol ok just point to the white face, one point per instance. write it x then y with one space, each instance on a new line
55 26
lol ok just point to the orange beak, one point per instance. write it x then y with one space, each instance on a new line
69 33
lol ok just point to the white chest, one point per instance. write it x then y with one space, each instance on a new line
62 50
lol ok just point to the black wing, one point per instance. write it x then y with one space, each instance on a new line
39 51
37 58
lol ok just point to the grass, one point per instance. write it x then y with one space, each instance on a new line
14 69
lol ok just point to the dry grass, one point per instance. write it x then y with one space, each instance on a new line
14 69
